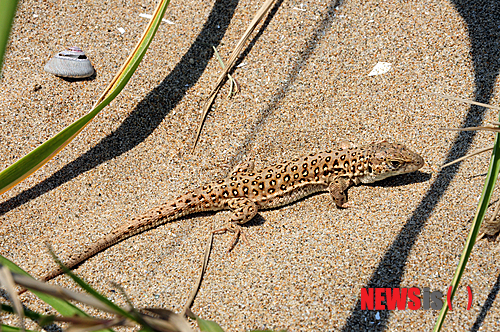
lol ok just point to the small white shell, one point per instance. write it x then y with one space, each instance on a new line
72 63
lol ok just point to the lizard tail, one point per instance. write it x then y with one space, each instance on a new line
169 211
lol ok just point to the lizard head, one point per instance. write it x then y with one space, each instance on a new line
384 159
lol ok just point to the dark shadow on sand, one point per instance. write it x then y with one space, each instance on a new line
153 108
483 22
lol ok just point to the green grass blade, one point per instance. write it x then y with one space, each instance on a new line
93 292
7 14
208 325
63 307
24 167
35 316
489 185
7 328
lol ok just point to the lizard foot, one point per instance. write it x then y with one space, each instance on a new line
237 230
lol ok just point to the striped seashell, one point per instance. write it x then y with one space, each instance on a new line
72 63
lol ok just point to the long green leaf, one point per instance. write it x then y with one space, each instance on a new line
42 320
92 291
7 14
489 185
7 328
63 307
33 315
208 325
24 167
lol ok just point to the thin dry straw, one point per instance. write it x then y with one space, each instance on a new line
485 128
186 311
468 156
466 101
233 81
232 60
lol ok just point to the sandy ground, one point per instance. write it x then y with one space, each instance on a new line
304 87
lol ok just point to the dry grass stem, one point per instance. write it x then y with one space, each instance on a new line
7 281
59 292
87 324
491 226
467 156
208 249
466 101
167 322
234 84
232 60
485 128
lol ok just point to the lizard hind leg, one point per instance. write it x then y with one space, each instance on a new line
245 167
346 144
243 210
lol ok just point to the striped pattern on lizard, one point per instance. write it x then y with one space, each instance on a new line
246 191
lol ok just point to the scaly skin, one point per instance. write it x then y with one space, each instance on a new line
246 191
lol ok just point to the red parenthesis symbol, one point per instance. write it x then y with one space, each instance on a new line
470 297
449 298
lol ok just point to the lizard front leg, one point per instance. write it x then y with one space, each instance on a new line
338 189
243 210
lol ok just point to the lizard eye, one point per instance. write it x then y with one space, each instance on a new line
394 163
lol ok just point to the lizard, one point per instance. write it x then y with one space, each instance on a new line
246 190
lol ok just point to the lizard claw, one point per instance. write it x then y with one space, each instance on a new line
237 230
